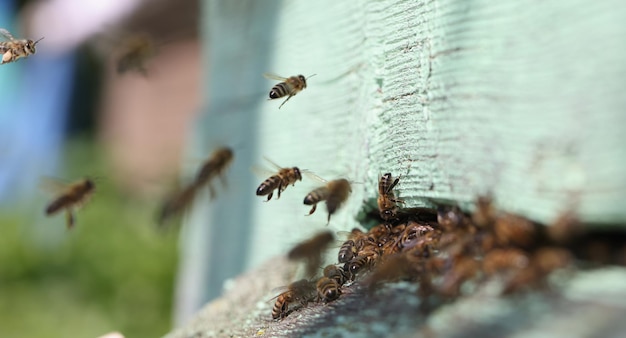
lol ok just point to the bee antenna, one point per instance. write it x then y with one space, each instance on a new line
310 76
34 43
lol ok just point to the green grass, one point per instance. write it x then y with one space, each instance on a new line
113 272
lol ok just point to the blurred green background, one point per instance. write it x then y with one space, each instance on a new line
112 272
68 113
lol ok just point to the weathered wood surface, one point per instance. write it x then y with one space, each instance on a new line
581 304
521 100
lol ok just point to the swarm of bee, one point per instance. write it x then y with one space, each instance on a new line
440 250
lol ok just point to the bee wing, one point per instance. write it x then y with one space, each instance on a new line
312 175
274 164
53 185
274 77
6 34
278 291
262 172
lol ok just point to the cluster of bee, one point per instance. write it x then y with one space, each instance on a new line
441 250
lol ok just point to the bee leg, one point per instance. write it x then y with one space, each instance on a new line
290 95
312 210
69 218
280 189
269 197
6 57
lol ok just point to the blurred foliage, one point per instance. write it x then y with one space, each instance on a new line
113 272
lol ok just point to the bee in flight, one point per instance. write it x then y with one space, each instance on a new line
311 251
335 193
69 197
213 167
280 180
290 86
13 49
135 53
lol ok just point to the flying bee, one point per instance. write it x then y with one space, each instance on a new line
281 180
328 289
310 251
180 200
214 166
289 86
301 291
70 197
177 202
335 193
387 202
135 53
14 49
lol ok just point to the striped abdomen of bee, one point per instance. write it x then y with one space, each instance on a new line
280 181
347 251
364 260
316 196
335 273
281 305
75 195
328 289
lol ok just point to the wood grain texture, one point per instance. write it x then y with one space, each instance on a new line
522 100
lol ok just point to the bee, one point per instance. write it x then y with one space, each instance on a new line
136 51
543 262
289 86
510 229
387 202
347 251
13 49
280 181
311 251
214 166
451 218
338 274
335 193
504 259
366 259
415 234
357 239
71 197
327 289
177 202
380 232
392 268
465 268
301 291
